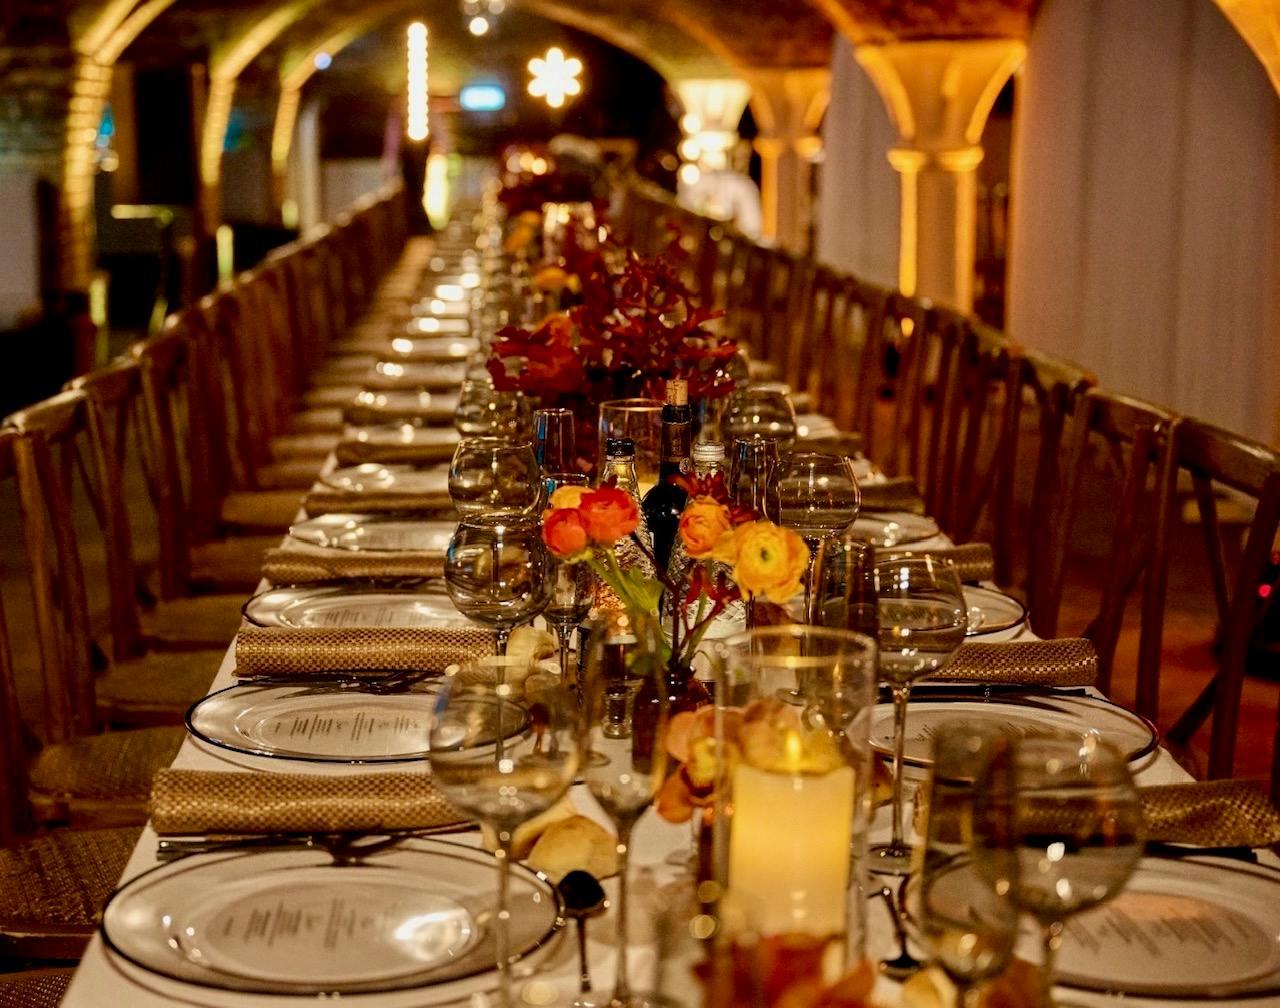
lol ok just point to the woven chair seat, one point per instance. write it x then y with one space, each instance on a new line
158 687
313 445
101 780
265 510
231 565
197 622
291 473
34 988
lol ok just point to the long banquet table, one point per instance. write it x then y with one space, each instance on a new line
104 979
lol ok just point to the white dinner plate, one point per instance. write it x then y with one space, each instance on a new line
292 922
407 404
433 348
373 532
352 604
404 434
1068 715
317 722
1184 928
374 477
895 528
992 612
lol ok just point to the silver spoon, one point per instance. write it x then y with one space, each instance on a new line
583 898
904 963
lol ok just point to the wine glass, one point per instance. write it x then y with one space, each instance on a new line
641 421
762 410
623 752
495 474
496 571
754 459
573 589
482 409
966 924
503 749
1060 829
923 619
815 494
843 592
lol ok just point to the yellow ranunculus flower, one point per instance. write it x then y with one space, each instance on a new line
568 496
767 560
551 278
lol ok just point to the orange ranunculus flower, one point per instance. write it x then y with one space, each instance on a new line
608 514
564 532
702 523
767 560
569 496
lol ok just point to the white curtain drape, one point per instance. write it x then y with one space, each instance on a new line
1146 214
856 215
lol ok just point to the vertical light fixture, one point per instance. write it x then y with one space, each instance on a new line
417 124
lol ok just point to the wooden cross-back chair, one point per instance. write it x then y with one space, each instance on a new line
1134 440
141 618
745 293
897 321
118 685
1050 389
185 469
787 278
1242 587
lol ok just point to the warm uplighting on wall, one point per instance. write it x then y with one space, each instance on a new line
417 126
555 77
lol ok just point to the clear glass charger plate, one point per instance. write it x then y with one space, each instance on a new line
292 922
406 434
352 604
992 612
412 404
895 528
317 722
373 532
1068 715
372 477
1184 928
439 325
428 376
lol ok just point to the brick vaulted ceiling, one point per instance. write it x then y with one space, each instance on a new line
680 39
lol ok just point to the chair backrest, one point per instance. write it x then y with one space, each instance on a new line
1220 463
15 810
892 364
1132 439
47 452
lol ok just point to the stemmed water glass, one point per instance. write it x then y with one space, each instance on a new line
503 749
762 410
1059 828
968 926
496 571
815 494
623 753
923 619
495 474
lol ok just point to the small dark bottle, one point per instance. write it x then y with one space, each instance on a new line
663 504
684 692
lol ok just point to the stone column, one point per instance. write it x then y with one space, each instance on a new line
939 93
1258 22
788 106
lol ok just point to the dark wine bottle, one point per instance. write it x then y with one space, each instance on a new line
663 504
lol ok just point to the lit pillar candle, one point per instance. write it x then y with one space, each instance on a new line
789 845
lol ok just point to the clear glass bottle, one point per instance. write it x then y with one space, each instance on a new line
620 466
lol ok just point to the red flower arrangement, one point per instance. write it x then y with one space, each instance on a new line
632 329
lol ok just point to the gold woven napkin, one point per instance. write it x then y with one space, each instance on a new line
276 651
897 494
213 802
320 502
1067 661
973 561
356 452
1218 813
294 566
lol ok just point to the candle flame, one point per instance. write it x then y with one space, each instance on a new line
793 751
